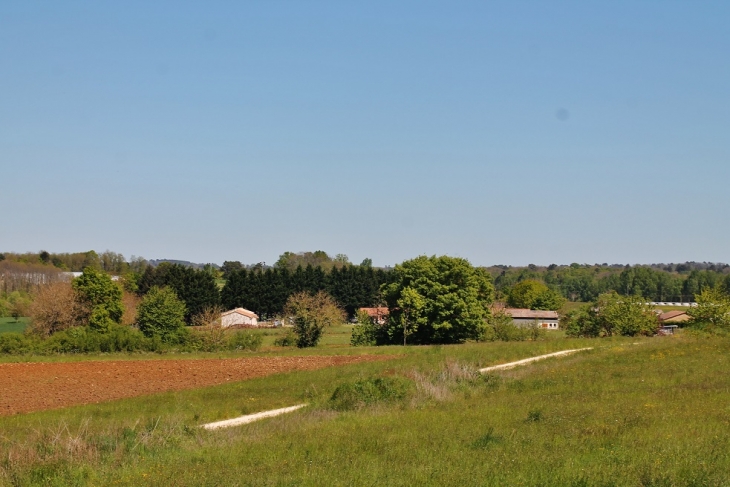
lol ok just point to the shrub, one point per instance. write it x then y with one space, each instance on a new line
487 440
84 339
15 344
311 314
509 332
162 314
366 392
289 339
712 310
102 298
242 340
365 333
612 314
54 308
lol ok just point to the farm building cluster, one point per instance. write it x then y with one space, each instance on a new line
549 320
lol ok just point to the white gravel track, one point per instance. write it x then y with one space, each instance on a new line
250 418
531 359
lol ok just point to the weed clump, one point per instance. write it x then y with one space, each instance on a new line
487 440
241 340
367 392
454 378
534 416
289 339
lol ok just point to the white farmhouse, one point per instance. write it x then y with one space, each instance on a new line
239 316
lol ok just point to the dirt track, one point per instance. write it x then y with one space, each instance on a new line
26 387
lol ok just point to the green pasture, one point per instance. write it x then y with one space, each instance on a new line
673 308
10 325
649 411
334 336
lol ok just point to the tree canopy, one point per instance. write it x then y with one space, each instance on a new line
311 313
161 314
196 288
612 314
712 310
266 291
436 300
533 294
101 297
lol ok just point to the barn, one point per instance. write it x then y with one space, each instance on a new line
530 317
239 317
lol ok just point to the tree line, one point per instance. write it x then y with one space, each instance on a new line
266 291
676 283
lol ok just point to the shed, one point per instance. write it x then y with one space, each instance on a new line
677 316
239 316
530 317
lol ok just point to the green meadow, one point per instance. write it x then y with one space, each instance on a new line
11 325
651 411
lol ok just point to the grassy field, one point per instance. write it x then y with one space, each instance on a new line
9 325
335 336
652 411
672 308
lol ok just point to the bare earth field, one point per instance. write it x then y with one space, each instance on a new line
30 387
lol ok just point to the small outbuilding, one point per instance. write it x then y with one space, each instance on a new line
239 317
530 317
676 316
379 315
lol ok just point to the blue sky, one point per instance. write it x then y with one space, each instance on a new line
503 132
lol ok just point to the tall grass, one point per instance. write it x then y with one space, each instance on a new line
654 413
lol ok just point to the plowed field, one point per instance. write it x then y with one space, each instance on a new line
26 387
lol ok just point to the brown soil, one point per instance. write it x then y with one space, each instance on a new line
26 387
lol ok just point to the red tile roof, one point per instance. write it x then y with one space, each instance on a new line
376 312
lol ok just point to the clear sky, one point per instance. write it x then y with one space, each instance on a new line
504 132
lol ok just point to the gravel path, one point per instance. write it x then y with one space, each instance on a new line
250 418
531 359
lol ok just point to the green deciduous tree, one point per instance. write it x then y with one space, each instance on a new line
524 293
365 333
612 314
101 297
411 305
533 294
712 310
196 288
230 267
436 300
161 314
311 313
